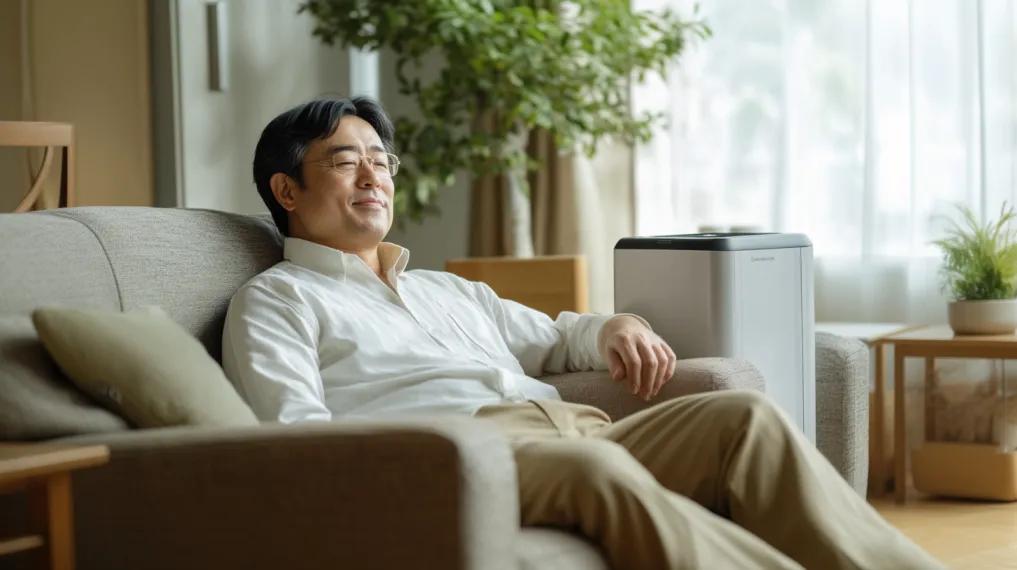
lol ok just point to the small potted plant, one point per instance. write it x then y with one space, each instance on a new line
980 271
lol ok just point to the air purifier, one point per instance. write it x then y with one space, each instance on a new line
740 295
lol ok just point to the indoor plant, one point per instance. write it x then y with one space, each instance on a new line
497 69
980 271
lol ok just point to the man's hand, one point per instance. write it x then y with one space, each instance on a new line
635 354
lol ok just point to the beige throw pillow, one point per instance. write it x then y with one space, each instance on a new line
141 364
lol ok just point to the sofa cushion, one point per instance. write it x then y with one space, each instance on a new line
189 262
36 400
141 364
48 259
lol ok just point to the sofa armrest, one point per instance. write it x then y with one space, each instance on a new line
691 376
842 406
429 493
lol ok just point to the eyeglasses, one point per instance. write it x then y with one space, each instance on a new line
383 163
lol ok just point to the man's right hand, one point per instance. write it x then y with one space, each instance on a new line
636 355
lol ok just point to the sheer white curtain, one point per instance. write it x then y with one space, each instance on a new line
859 123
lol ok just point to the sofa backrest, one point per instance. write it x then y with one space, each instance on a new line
189 262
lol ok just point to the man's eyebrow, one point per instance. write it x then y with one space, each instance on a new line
348 147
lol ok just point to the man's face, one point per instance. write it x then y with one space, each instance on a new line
349 207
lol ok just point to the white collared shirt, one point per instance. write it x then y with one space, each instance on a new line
320 336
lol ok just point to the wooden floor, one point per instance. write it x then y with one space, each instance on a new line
965 535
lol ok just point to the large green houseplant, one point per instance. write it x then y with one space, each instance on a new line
980 272
497 69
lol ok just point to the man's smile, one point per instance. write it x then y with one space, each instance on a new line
376 203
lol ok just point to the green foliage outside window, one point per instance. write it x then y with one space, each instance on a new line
505 67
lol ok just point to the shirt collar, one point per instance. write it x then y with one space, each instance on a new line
335 263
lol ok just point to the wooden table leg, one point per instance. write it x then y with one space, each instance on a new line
930 384
52 515
877 483
900 452
61 522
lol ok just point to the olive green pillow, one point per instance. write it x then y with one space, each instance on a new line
142 365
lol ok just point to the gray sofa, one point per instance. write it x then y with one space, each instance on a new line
434 493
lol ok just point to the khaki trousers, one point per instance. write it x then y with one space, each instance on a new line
714 481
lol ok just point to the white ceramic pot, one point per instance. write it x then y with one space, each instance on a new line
995 316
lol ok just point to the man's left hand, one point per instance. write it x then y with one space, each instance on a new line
636 355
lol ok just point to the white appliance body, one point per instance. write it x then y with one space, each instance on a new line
743 296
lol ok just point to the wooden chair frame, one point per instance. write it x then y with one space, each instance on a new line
50 136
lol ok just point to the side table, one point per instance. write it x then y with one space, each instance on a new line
931 342
44 472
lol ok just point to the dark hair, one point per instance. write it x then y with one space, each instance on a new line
284 142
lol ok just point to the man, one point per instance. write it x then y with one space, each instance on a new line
340 330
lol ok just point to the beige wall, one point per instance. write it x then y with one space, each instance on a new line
89 67
12 160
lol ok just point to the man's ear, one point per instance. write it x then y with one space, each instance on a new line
284 189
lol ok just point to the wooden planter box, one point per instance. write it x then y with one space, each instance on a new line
547 283
968 470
